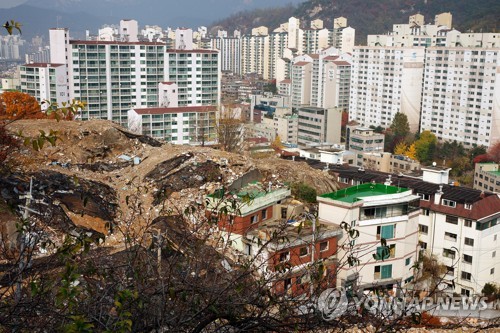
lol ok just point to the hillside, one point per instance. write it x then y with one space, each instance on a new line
93 152
371 16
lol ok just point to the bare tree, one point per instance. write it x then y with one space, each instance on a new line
229 129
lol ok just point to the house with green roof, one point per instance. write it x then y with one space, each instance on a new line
376 211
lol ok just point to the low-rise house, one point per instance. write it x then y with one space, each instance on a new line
459 225
269 228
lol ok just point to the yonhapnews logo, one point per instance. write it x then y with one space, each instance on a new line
333 303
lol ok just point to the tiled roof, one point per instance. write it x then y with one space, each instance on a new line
301 63
341 63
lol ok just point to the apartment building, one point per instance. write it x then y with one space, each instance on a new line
193 125
487 177
321 80
45 82
456 224
362 140
387 162
314 39
197 74
230 52
342 37
301 83
318 126
114 76
11 47
384 81
376 211
266 219
461 94
286 126
440 34
255 52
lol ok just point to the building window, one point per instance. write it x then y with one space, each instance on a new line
465 292
469 241
467 258
407 261
468 206
492 271
447 253
254 218
284 256
450 270
288 284
451 219
304 251
323 246
248 249
494 254
450 236
426 212
383 272
284 212
466 276
425 197
423 229
385 231
423 245
468 223
264 214
449 203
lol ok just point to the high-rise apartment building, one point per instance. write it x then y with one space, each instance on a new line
255 52
461 94
384 81
113 77
322 80
230 52
45 82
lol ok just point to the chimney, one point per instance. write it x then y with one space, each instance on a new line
437 196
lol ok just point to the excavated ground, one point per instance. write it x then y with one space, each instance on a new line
91 177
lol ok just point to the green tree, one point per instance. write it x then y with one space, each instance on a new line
400 126
425 146
304 192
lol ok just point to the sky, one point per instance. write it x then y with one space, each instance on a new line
11 3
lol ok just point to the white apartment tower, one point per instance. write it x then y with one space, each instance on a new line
255 52
230 52
384 81
461 95
114 76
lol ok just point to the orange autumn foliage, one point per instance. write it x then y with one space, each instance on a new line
17 105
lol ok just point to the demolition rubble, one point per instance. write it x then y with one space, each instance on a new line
86 182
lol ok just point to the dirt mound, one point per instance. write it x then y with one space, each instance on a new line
96 167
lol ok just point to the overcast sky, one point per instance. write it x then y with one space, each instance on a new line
11 3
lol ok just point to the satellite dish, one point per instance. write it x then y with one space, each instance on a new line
434 164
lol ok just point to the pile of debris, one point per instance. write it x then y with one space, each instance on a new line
86 181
